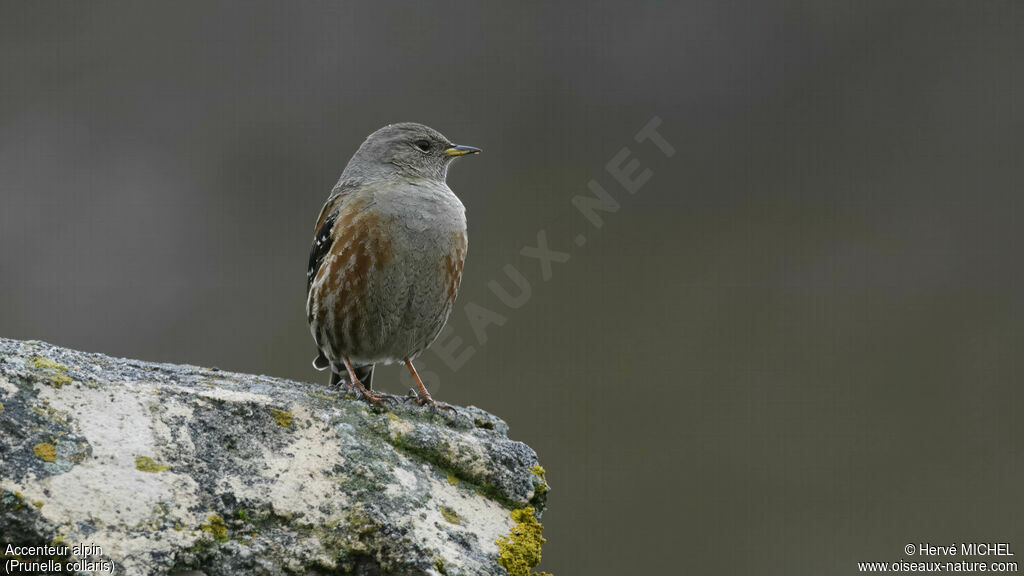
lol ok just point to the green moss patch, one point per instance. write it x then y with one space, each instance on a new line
519 552
45 452
452 478
215 526
282 417
147 464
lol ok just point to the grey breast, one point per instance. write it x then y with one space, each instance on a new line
408 302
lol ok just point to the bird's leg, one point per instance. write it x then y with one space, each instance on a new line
371 397
422 395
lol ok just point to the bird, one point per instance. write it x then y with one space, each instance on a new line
386 260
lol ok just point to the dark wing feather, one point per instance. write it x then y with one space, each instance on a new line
322 239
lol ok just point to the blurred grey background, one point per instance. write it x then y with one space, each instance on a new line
798 346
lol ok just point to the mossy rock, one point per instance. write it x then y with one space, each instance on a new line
184 468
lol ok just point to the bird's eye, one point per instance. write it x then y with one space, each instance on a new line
423 145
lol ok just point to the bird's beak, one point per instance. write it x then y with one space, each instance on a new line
459 150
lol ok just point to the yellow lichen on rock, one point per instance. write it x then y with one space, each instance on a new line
41 363
45 452
450 515
539 471
519 552
282 417
57 372
542 488
147 464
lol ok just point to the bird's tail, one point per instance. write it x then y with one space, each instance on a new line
364 373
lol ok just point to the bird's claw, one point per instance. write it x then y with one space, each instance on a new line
380 399
435 405
445 407
374 398
419 400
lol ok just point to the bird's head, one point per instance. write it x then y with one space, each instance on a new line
406 149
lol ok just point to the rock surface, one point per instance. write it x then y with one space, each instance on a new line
177 469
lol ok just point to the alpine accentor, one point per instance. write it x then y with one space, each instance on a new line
387 256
